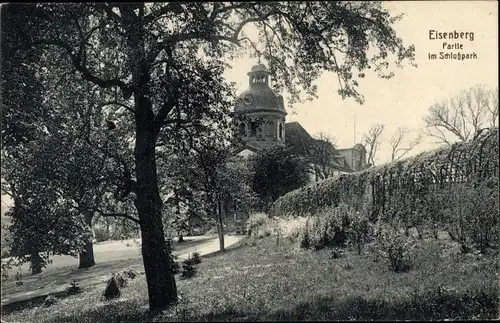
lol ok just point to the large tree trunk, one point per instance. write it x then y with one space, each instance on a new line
87 257
35 261
162 288
220 224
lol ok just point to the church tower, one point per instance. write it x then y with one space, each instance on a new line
263 112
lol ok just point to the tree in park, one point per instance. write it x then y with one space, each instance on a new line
277 171
372 141
464 116
401 145
22 111
322 155
167 61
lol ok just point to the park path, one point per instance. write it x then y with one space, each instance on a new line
57 277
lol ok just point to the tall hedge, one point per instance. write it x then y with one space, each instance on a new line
401 186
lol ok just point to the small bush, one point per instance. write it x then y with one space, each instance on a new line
395 247
50 300
188 269
112 289
255 220
73 288
176 267
121 280
130 273
101 234
5 253
472 215
305 242
196 258
330 227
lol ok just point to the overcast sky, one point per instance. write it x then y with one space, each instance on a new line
405 99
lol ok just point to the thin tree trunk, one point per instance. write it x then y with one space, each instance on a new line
220 226
108 233
162 288
87 259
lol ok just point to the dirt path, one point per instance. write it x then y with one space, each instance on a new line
110 257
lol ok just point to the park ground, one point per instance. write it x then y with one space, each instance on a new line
111 257
269 277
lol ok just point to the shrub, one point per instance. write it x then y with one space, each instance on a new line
333 227
188 269
50 300
305 242
196 258
395 247
5 253
176 268
255 220
112 289
359 230
472 215
101 234
130 273
121 280
73 288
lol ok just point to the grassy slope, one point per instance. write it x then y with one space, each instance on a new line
270 282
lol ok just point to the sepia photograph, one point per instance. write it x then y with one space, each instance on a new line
249 161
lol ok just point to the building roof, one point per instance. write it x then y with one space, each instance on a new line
297 138
259 68
259 96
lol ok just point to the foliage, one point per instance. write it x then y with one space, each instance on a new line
73 288
188 268
403 191
112 290
330 227
481 201
196 258
255 220
395 246
281 283
277 171
169 77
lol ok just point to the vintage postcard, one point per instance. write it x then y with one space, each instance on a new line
244 161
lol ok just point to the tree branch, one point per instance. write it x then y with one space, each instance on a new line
123 215
77 63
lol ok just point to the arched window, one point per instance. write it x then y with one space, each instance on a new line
253 129
280 131
242 129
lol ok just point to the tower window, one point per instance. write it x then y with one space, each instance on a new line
280 131
242 129
253 129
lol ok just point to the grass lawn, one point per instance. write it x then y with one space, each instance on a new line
112 256
260 280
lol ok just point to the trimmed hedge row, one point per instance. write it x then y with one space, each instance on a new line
410 180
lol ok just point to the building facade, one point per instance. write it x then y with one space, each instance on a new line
262 125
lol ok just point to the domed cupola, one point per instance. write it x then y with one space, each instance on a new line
263 110
259 96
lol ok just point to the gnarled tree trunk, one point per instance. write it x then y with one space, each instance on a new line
87 259
162 288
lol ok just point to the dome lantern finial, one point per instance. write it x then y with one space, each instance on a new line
258 56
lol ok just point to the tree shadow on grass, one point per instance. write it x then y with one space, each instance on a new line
54 280
429 306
